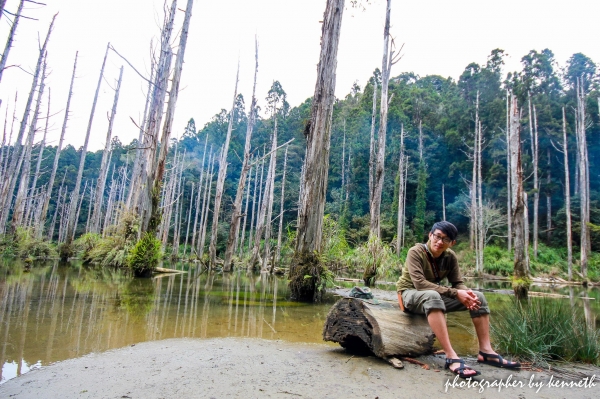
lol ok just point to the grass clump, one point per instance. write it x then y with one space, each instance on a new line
114 247
544 329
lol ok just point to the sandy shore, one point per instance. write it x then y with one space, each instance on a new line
254 368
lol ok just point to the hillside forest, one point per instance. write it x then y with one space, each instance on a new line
227 193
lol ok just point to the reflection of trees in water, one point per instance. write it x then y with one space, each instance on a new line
57 312
137 297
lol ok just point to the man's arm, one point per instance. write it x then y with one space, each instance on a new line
414 263
454 276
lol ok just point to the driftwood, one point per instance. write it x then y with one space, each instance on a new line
379 326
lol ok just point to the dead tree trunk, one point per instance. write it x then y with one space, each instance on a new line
57 155
236 212
480 231
372 160
386 67
221 179
521 279
316 164
156 177
508 175
11 37
58 205
548 197
72 223
189 220
584 195
567 199
38 166
198 210
536 185
206 208
95 225
382 328
16 158
281 211
144 199
401 195
244 223
270 198
21 199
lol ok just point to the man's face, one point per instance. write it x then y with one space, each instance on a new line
439 242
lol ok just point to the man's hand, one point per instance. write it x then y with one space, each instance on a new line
469 299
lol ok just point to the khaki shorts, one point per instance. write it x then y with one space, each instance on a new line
422 302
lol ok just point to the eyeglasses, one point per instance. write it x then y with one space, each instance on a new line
437 237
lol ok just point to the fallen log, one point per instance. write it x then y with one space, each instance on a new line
381 327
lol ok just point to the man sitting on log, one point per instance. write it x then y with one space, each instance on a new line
420 291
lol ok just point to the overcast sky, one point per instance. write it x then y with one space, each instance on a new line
441 37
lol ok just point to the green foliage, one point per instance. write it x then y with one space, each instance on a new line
145 255
544 329
377 258
333 244
498 261
25 245
113 249
86 243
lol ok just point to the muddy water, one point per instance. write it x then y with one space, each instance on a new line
56 312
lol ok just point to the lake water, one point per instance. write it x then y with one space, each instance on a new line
56 312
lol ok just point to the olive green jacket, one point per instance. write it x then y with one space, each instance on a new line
418 274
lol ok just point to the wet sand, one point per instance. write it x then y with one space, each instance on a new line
255 368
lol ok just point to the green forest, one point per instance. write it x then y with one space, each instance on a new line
441 109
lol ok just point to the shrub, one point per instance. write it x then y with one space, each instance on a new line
26 245
145 255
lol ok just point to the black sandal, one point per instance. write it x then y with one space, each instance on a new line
499 363
460 371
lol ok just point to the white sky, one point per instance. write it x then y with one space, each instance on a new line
441 37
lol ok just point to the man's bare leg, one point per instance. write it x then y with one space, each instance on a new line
437 322
482 328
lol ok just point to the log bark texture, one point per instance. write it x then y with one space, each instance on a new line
383 328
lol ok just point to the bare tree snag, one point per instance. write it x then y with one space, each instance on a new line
20 200
567 199
16 158
316 164
236 212
508 175
57 154
221 179
95 225
11 37
401 194
281 211
584 183
521 280
378 180
382 329
72 223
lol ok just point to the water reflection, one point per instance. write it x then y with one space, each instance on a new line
57 312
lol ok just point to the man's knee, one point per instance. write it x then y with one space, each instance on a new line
483 307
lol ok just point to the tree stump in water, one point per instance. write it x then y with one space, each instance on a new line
382 328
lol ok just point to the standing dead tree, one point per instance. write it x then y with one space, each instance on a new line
221 179
389 59
536 186
159 166
521 280
281 211
66 250
20 200
236 212
11 37
584 182
103 174
50 186
567 188
316 164
17 153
